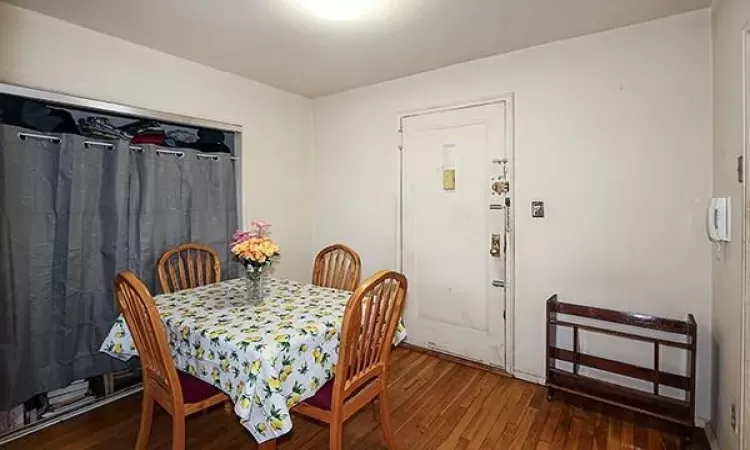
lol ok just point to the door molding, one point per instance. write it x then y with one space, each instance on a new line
509 100
744 432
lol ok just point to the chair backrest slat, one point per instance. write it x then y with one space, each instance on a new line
188 266
337 266
148 332
199 268
370 321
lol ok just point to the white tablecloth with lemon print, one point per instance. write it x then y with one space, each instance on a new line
267 357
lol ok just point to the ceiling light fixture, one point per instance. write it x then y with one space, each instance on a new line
338 9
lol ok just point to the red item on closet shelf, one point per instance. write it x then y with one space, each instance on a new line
149 138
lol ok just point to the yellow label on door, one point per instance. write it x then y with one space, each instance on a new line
449 179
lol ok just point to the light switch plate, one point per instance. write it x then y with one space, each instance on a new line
537 209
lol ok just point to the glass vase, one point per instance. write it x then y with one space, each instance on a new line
255 281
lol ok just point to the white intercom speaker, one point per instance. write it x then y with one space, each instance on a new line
719 219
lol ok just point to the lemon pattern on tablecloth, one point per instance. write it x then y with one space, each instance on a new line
267 358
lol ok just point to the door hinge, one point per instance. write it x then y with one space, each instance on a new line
741 169
504 318
401 148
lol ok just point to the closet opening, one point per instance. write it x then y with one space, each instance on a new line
89 188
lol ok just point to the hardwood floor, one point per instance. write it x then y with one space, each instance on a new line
435 404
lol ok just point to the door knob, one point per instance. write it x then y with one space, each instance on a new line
500 187
495 245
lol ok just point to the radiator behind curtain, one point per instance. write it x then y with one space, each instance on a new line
71 216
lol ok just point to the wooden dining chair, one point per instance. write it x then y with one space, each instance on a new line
187 266
370 321
178 393
337 266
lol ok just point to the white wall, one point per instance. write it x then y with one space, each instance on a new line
612 132
43 52
729 17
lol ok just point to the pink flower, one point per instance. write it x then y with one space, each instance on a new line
261 226
242 236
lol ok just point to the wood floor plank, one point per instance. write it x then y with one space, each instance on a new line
653 437
413 430
563 427
572 440
541 412
542 445
513 394
488 414
601 432
408 400
443 425
640 437
471 406
614 431
589 427
435 404
515 421
550 424
517 430
626 438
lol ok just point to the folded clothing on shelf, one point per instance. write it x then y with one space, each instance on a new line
180 138
145 126
101 127
210 136
210 141
36 116
207 147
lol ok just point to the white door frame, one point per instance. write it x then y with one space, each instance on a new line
508 100
745 331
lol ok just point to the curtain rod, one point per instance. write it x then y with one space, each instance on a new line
56 140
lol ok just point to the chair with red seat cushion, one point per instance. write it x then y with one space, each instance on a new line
195 390
178 393
370 320
322 398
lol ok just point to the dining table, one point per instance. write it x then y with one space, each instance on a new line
267 357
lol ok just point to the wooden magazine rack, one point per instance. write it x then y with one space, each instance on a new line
652 403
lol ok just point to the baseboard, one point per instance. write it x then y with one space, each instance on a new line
477 365
455 359
529 377
711 436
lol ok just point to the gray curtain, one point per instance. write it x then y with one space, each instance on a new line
71 216
176 199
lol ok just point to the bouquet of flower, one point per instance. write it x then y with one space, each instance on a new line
255 248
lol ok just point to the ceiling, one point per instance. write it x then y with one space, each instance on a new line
279 43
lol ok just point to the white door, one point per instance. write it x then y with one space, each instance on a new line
456 268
